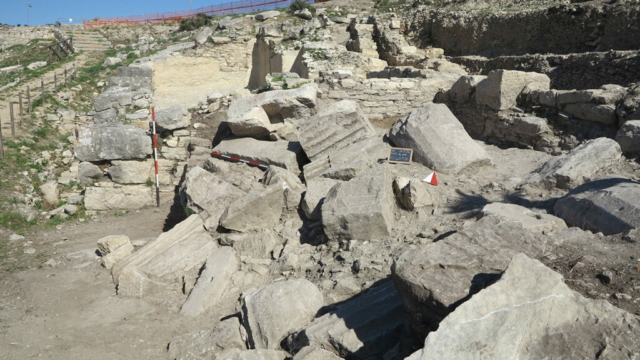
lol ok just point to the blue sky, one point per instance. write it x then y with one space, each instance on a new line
14 12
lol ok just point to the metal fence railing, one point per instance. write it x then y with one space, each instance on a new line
229 8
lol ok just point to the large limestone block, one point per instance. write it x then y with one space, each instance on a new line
530 313
435 278
317 190
112 142
610 205
334 128
267 15
278 175
254 123
112 258
257 246
413 193
577 166
208 195
279 153
257 210
464 89
501 88
131 172
534 222
273 311
176 253
87 173
173 118
364 327
113 97
118 198
629 136
361 208
605 114
438 139
50 192
109 244
211 343
288 106
212 283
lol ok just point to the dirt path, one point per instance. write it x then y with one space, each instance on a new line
71 311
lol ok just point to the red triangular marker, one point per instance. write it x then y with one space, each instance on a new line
431 179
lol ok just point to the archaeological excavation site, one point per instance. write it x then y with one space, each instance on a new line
360 180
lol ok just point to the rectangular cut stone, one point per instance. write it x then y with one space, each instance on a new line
112 142
120 198
279 153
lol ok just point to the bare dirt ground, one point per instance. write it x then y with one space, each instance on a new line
71 311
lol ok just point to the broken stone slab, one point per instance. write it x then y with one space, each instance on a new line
267 15
531 313
278 175
259 354
112 142
256 246
438 139
364 327
112 258
362 208
113 97
282 106
345 172
212 283
153 269
109 116
334 128
273 311
36 65
303 14
629 136
207 195
435 278
315 353
226 335
257 210
501 88
604 114
610 205
413 193
270 30
50 192
464 89
576 166
317 190
173 118
203 35
87 172
534 222
254 123
109 244
278 153
118 198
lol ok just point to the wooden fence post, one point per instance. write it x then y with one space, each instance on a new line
13 124
21 114
65 76
55 82
29 99
1 146
42 86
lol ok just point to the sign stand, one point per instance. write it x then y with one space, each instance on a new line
155 155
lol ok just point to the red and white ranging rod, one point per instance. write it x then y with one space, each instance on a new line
155 155
240 160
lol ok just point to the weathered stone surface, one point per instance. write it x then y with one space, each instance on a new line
315 353
413 193
438 140
108 244
278 175
317 190
531 314
212 283
87 172
362 208
155 267
303 14
205 344
434 279
130 172
111 61
279 153
464 89
267 15
288 106
118 198
257 210
534 222
113 97
336 127
254 123
577 166
207 195
36 65
50 192
364 327
203 35
112 142
501 88
629 136
274 310
270 30
610 205
257 246
112 258
605 114
173 118
259 354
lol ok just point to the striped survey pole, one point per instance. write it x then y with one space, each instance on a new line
155 155
227 157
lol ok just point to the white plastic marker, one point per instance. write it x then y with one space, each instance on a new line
431 179
155 155
240 160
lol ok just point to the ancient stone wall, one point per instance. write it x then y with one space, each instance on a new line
602 27
233 54
12 35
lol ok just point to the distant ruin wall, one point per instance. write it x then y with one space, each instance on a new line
12 35
592 26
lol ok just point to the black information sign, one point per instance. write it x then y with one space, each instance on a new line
400 156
